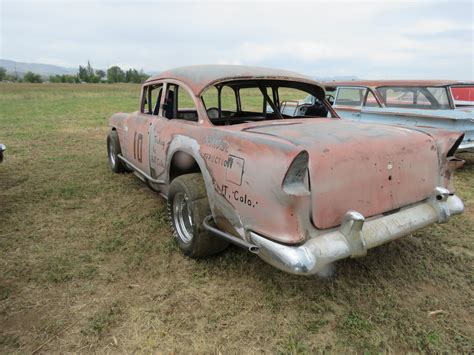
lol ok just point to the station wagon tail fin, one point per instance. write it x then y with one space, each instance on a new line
449 162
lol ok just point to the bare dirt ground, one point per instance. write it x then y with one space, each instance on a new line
88 264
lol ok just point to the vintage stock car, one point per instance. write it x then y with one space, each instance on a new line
442 104
301 192
2 149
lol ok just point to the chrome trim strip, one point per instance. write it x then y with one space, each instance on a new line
141 172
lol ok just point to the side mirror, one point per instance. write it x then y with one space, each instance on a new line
2 149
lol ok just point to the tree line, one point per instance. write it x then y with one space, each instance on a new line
85 74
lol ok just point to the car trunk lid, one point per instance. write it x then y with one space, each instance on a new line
369 168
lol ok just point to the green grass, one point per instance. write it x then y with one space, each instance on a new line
89 265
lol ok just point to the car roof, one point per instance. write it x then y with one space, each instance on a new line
199 77
380 83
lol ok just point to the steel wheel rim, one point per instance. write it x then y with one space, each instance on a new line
112 154
182 217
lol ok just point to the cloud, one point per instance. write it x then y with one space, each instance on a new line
423 39
439 25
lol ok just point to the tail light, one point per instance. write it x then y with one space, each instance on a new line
296 181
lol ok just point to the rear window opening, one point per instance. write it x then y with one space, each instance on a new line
242 101
463 95
427 98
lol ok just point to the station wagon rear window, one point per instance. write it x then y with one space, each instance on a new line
435 98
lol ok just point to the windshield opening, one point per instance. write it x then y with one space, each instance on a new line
242 101
434 98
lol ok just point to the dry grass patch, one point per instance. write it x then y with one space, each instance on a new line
88 263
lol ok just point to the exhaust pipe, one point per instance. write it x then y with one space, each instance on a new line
229 237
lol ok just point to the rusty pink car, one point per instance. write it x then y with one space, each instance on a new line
300 192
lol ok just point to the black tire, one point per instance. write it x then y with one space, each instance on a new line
188 206
113 150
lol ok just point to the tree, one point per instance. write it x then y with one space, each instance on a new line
94 79
132 76
72 79
90 71
55 78
100 74
82 74
128 75
12 77
143 76
31 77
88 74
64 79
3 73
115 75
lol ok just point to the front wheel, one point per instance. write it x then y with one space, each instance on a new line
188 206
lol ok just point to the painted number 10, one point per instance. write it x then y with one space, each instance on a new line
138 146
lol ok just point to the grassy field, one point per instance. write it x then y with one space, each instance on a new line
88 264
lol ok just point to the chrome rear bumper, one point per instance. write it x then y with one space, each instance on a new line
355 235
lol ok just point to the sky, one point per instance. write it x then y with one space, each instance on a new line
368 40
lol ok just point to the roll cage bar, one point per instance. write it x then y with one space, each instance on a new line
263 85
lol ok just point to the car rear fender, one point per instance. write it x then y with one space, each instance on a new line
447 142
191 147
255 189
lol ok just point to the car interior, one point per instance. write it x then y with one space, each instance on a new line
242 101
178 104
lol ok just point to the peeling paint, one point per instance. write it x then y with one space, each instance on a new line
373 169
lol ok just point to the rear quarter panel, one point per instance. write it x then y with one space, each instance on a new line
252 184
244 177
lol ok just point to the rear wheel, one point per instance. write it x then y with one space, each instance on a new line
113 151
188 206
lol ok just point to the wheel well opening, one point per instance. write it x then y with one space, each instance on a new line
182 163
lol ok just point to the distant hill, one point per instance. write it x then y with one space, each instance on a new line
43 69
48 69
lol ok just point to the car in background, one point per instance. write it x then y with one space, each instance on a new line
302 106
463 95
2 149
300 191
443 104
